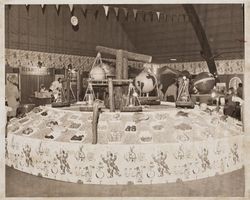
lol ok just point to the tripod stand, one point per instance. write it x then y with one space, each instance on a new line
89 94
132 96
183 98
71 91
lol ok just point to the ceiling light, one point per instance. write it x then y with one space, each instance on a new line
74 21
173 59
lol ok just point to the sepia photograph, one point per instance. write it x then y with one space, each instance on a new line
125 100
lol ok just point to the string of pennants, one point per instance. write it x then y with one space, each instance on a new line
117 10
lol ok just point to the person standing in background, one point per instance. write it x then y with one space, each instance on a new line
233 104
240 90
12 95
7 110
56 89
171 93
160 93
42 88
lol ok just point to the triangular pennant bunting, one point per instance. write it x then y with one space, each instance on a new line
57 7
152 16
96 13
116 11
165 17
71 6
106 9
135 13
144 16
158 15
84 9
27 7
125 12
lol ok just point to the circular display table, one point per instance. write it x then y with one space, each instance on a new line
162 144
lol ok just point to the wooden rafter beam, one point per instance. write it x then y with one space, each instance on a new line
206 52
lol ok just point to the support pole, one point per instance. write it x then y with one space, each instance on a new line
125 68
119 63
96 113
111 95
78 87
67 85
119 75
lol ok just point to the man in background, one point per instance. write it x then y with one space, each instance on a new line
12 95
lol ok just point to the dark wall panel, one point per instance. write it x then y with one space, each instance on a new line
49 31
13 27
24 30
31 83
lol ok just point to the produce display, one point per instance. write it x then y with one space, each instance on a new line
27 131
173 125
77 138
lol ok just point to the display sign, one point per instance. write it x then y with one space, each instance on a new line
130 127
35 71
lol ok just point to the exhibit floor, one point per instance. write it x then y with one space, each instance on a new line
19 184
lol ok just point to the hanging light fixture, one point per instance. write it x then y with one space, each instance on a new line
74 20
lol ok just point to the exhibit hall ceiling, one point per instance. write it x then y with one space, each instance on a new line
173 37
